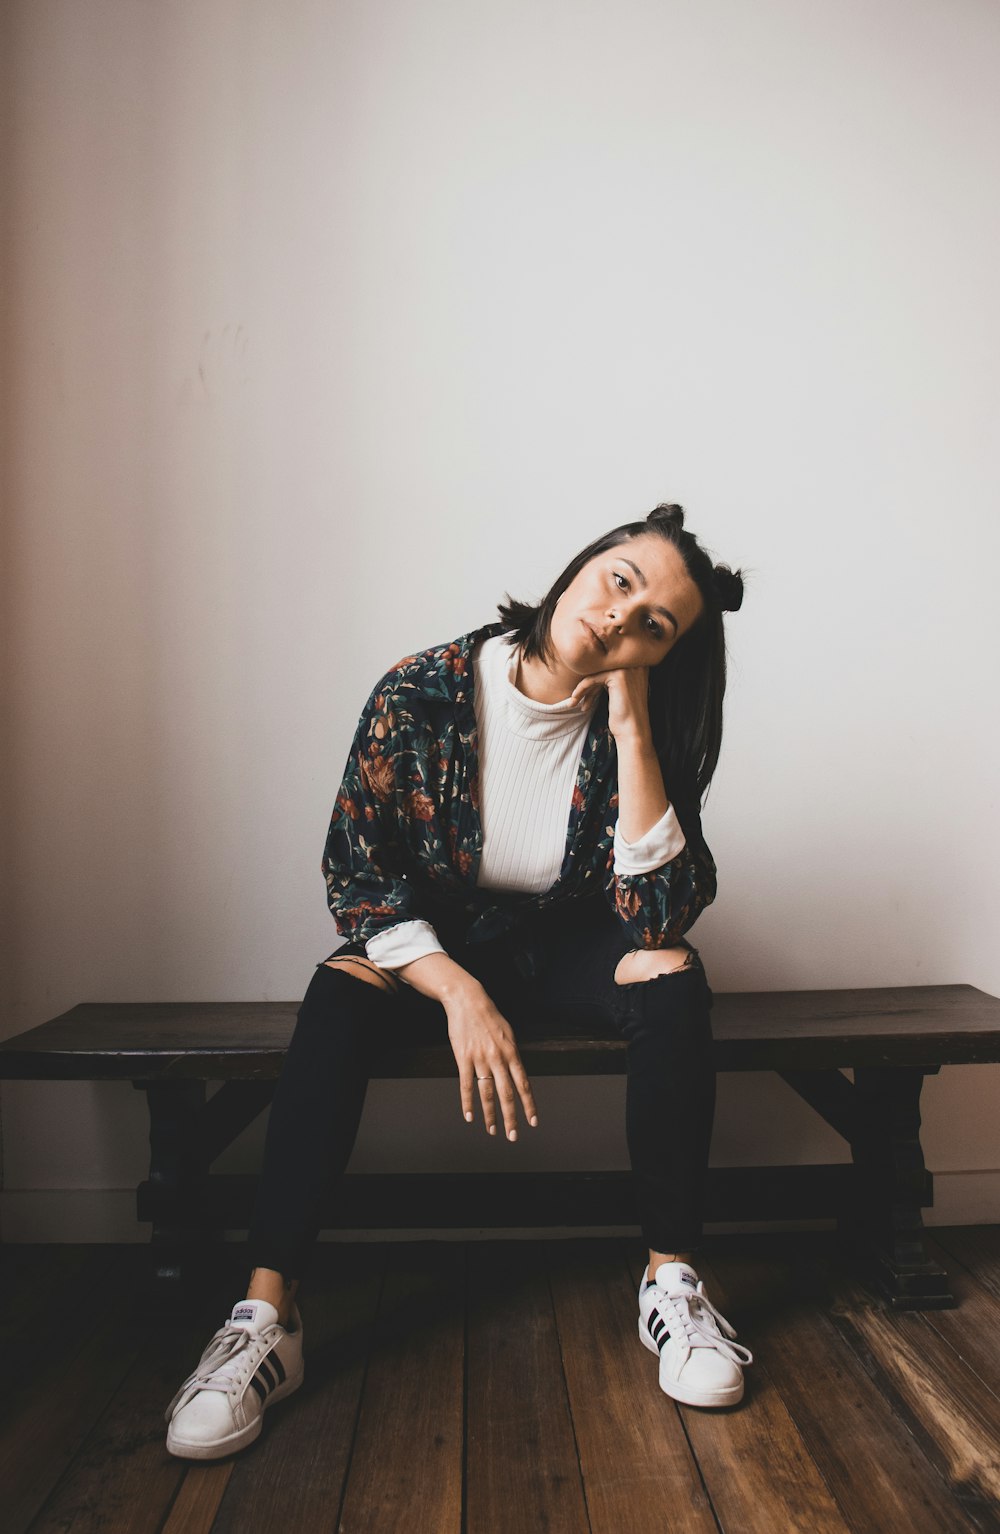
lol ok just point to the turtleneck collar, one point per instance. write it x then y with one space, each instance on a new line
522 715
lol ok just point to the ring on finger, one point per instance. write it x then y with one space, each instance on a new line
484 1078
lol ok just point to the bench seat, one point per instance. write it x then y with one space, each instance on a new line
890 1037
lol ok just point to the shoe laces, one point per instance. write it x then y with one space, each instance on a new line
232 1352
703 1326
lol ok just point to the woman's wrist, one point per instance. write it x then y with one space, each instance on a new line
637 740
438 976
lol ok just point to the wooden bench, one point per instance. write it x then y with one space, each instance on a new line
890 1037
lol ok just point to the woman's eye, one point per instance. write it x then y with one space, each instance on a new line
654 627
621 581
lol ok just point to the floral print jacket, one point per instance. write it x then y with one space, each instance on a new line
405 837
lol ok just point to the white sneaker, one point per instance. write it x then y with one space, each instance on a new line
249 1363
699 1364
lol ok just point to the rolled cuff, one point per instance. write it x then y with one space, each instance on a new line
660 844
401 944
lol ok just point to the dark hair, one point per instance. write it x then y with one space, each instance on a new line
687 688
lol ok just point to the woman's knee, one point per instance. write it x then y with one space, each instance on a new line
365 971
665 1012
641 964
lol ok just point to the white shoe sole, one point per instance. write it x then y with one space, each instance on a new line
218 1448
688 1396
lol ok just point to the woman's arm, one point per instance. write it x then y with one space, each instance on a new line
660 904
363 861
642 797
481 1039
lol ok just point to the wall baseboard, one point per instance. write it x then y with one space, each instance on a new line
69 1215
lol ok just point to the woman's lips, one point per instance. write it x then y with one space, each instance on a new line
595 638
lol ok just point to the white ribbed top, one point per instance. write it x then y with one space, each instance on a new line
529 757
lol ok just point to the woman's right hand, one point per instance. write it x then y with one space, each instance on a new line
486 1053
482 1042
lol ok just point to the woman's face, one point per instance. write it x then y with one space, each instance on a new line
626 607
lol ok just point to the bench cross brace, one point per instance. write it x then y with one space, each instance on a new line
879 1213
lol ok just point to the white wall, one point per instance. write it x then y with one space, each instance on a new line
326 323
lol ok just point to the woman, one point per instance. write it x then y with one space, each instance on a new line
517 834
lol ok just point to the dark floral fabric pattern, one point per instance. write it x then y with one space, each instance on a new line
405 838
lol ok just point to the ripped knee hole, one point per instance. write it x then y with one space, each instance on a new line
641 964
365 970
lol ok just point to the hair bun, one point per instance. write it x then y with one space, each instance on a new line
728 588
667 513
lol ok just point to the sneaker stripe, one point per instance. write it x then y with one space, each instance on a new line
264 1373
257 1384
657 1328
277 1366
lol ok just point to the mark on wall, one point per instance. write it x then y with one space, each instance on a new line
221 370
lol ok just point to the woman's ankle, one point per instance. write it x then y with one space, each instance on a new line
271 1286
657 1259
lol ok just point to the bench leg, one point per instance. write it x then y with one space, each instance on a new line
178 1174
187 1130
893 1186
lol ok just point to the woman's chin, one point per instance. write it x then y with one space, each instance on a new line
579 661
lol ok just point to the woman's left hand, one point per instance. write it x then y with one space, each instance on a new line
628 700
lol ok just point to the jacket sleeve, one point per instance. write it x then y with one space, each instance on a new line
363 860
659 907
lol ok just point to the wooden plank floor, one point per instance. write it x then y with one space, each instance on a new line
500 1388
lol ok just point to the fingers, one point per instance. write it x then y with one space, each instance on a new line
473 1078
466 1080
496 1091
582 691
489 1066
500 1085
504 1091
486 1097
523 1086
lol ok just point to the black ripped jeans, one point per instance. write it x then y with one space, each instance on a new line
563 963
